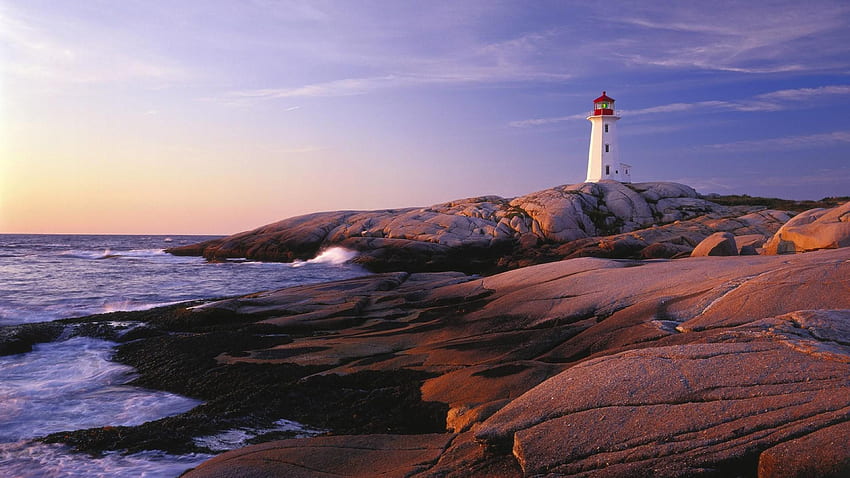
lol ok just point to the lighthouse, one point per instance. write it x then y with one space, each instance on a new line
603 157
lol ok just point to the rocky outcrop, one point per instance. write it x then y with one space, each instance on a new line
717 244
469 234
672 240
704 366
812 230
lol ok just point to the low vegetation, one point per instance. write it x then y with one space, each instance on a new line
775 203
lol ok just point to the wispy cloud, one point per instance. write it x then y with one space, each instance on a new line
544 121
513 60
66 51
783 143
344 87
751 38
365 85
805 94
773 101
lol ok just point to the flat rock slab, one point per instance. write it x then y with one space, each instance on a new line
679 411
586 367
332 456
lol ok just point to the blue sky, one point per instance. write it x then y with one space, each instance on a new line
219 116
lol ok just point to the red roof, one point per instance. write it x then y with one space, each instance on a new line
604 97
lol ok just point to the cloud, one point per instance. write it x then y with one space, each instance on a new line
805 94
436 76
518 59
66 50
344 87
750 38
773 101
783 143
543 121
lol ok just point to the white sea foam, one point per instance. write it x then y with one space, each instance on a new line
72 385
110 254
238 437
25 459
330 256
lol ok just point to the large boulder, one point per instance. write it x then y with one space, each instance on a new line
812 230
749 244
717 244
655 191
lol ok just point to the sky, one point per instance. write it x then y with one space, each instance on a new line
214 117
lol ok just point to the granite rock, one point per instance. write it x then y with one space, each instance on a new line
586 367
717 244
467 234
812 230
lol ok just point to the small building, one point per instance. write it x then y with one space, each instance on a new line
603 157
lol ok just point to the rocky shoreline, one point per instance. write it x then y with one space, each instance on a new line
591 367
486 234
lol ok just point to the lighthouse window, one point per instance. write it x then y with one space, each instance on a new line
607 170
607 148
606 128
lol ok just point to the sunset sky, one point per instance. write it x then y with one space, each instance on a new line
204 116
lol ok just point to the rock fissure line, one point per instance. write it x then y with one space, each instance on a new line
564 414
660 446
732 286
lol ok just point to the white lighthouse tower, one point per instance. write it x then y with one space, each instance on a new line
603 157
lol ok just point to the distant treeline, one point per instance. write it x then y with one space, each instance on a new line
775 203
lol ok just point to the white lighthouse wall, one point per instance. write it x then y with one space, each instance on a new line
594 155
602 164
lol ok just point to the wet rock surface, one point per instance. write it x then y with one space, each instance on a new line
704 366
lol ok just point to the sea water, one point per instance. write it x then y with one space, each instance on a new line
72 384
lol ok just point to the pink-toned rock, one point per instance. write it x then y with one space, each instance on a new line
824 453
748 244
717 244
468 234
354 456
680 411
587 367
812 230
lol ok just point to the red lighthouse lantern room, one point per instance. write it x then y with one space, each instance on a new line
604 105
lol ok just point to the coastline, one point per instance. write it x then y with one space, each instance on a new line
446 357
437 374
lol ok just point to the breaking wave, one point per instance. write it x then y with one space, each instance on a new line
330 256
109 254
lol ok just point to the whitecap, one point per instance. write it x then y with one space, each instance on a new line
330 256
24 459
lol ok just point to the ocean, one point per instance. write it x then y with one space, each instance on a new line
71 384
